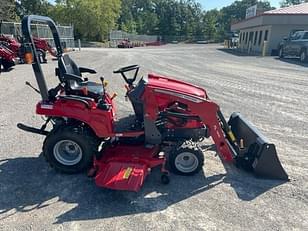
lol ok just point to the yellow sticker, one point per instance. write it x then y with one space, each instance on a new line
127 173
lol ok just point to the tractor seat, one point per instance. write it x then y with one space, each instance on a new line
95 90
71 75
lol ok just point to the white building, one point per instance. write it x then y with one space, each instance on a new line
271 26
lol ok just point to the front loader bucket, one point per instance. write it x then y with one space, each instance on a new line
254 152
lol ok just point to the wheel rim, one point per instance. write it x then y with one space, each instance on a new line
303 56
186 162
67 152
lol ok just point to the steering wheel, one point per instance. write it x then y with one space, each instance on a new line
126 69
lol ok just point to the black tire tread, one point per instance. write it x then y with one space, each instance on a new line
304 50
86 140
281 56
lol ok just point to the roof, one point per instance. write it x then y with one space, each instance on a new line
296 9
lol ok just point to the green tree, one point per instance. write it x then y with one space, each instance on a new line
286 3
92 19
210 22
7 10
163 17
26 7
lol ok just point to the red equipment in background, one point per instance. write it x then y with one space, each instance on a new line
171 118
16 47
7 58
125 43
11 50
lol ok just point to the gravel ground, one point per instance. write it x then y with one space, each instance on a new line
270 92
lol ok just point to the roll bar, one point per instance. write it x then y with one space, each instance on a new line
28 38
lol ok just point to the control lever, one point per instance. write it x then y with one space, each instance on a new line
105 83
35 89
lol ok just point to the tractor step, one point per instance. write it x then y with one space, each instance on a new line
32 129
125 167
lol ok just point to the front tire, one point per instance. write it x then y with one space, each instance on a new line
281 53
186 159
7 65
68 151
303 56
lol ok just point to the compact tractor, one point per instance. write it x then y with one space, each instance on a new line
171 118
16 47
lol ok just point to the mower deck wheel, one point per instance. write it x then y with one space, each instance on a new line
165 179
186 159
42 56
68 151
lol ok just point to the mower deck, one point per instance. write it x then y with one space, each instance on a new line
125 167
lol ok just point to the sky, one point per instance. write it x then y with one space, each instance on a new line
211 4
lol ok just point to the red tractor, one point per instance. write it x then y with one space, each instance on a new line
171 117
7 58
125 43
18 49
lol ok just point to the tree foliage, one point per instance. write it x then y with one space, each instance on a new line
7 10
26 7
182 18
93 19
286 3
163 17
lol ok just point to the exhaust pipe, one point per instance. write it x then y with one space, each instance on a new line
253 151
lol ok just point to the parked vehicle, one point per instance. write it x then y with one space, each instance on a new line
125 43
232 39
296 45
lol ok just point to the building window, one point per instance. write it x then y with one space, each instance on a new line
260 37
256 38
266 35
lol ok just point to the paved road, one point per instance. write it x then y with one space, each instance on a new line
270 92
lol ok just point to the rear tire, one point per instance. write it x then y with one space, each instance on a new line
68 151
303 56
186 159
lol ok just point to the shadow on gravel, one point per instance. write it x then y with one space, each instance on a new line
28 184
2 71
292 61
236 52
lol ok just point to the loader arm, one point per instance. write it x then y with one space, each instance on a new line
203 108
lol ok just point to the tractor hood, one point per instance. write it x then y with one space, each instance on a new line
157 81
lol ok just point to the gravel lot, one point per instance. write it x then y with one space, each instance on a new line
270 92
